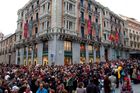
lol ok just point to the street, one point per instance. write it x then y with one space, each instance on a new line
136 88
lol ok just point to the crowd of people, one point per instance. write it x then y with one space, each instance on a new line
76 78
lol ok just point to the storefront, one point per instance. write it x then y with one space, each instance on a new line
91 55
82 53
45 53
67 52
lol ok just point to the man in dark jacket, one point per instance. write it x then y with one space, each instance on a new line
92 88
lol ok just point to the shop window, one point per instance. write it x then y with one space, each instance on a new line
67 46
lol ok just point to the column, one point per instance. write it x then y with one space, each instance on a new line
102 53
87 53
16 56
21 56
26 55
32 56
75 52
56 51
110 54
94 53
39 53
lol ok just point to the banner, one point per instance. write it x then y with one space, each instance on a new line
26 30
89 26
30 28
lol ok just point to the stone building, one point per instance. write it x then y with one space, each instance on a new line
68 32
7 50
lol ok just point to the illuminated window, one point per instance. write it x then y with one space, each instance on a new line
67 46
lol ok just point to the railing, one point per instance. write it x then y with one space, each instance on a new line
45 13
96 13
58 30
72 13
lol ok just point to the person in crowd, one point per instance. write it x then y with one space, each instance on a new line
41 89
15 78
112 79
107 85
92 88
81 88
126 87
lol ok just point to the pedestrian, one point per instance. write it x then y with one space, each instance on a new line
107 85
81 88
92 88
41 89
126 87
112 79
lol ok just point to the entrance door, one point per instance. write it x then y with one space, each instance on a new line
68 60
106 54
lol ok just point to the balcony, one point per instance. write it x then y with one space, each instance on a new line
37 6
82 7
70 32
45 14
69 13
35 21
44 32
96 13
82 20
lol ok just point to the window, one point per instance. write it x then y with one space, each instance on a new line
36 30
105 36
32 7
82 15
104 24
96 9
70 7
22 14
96 20
37 2
67 46
45 46
20 37
31 18
67 24
43 26
90 17
48 6
82 2
90 48
82 32
48 23
43 7
89 6
70 25
21 25
36 16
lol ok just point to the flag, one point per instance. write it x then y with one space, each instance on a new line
117 37
30 25
25 30
89 26
110 37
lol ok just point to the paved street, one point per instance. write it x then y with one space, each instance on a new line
136 89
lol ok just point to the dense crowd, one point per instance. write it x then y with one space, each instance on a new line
77 78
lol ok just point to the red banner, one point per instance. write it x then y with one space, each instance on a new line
25 30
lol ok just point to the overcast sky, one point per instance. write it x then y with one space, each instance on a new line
8 11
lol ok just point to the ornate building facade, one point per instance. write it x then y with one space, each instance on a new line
68 32
7 50
133 27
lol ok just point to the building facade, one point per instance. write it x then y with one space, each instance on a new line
133 27
68 32
7 50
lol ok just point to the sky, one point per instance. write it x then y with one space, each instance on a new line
9 8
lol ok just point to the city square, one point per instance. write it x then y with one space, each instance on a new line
70 46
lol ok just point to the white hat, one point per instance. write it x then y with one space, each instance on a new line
15 88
